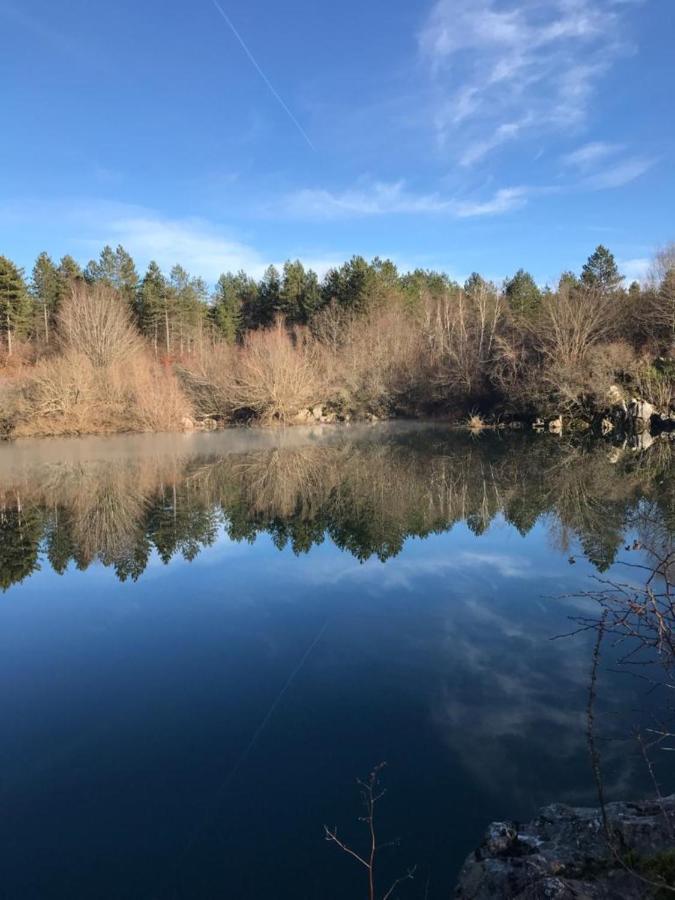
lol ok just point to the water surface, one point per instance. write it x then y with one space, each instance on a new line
206 639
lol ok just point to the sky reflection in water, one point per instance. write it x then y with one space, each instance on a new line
205 640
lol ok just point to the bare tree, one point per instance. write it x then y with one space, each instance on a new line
371 793
460 330
277 374
95 321
660 310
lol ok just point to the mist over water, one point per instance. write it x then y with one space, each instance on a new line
205 640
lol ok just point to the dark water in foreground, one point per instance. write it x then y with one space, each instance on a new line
205 640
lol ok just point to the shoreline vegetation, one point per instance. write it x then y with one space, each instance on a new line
104 350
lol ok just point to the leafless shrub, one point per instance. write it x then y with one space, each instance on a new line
460 332
653 386
277 374
57 396
380 360
156 399
209 381
371 794
571 322
95 322
639 618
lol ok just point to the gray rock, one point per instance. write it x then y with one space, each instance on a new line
640 413
564 853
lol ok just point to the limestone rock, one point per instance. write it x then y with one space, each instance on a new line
565 854
640 413
615 398
555 426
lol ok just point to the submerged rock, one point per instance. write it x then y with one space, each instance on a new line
565 854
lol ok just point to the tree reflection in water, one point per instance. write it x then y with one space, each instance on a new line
366 495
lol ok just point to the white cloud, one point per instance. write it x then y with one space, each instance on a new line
635 269
199 246
590 154
618 175
602 168
503 201
203 247
393 198
507 71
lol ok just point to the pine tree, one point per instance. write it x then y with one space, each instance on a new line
116 269
126 275
292 291
15 304
187 302
152 307
48 289
522 293
600 271
69 271
269 297
311 297
568 281
349 286
102 269
226 305
475 283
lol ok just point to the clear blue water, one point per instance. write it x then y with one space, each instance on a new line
205 640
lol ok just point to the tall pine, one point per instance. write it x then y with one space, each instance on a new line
16 309
600 271
47 289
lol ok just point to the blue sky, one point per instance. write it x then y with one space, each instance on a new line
458 134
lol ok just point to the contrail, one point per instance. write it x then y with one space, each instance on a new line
218 795
264 77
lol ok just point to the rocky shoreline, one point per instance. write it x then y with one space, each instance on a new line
565 854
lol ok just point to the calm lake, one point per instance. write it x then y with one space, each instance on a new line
206 639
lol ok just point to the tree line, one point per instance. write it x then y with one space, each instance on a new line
173 310
364 339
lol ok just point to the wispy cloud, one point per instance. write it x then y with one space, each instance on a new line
635 269
620 174
506 72
394 198
202 246
603 166
590 154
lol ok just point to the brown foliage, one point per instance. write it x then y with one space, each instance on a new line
277 374
95 321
